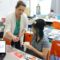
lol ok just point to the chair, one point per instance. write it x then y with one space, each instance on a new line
55 50
56 25
8 42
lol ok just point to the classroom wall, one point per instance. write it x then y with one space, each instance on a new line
56 6
6 7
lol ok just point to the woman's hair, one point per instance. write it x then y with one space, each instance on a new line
38 25
20 3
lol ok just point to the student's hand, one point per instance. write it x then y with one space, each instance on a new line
15 38
27 44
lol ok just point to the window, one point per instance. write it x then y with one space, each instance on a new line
45 6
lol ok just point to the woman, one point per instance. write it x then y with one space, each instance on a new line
40 45
16 24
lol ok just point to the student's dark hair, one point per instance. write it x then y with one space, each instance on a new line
20 3
38 25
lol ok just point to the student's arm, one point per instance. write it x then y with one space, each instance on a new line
41 54
45 48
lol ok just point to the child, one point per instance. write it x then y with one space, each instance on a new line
40 44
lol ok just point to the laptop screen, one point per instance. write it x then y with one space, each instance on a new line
2 47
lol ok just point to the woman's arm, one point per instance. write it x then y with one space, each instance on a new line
7 30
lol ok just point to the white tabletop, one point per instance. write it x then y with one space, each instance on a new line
11 56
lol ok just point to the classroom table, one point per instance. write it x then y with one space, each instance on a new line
14 54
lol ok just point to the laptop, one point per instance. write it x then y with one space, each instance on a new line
2 49
2 46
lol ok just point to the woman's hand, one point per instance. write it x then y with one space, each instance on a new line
15 38
22 33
